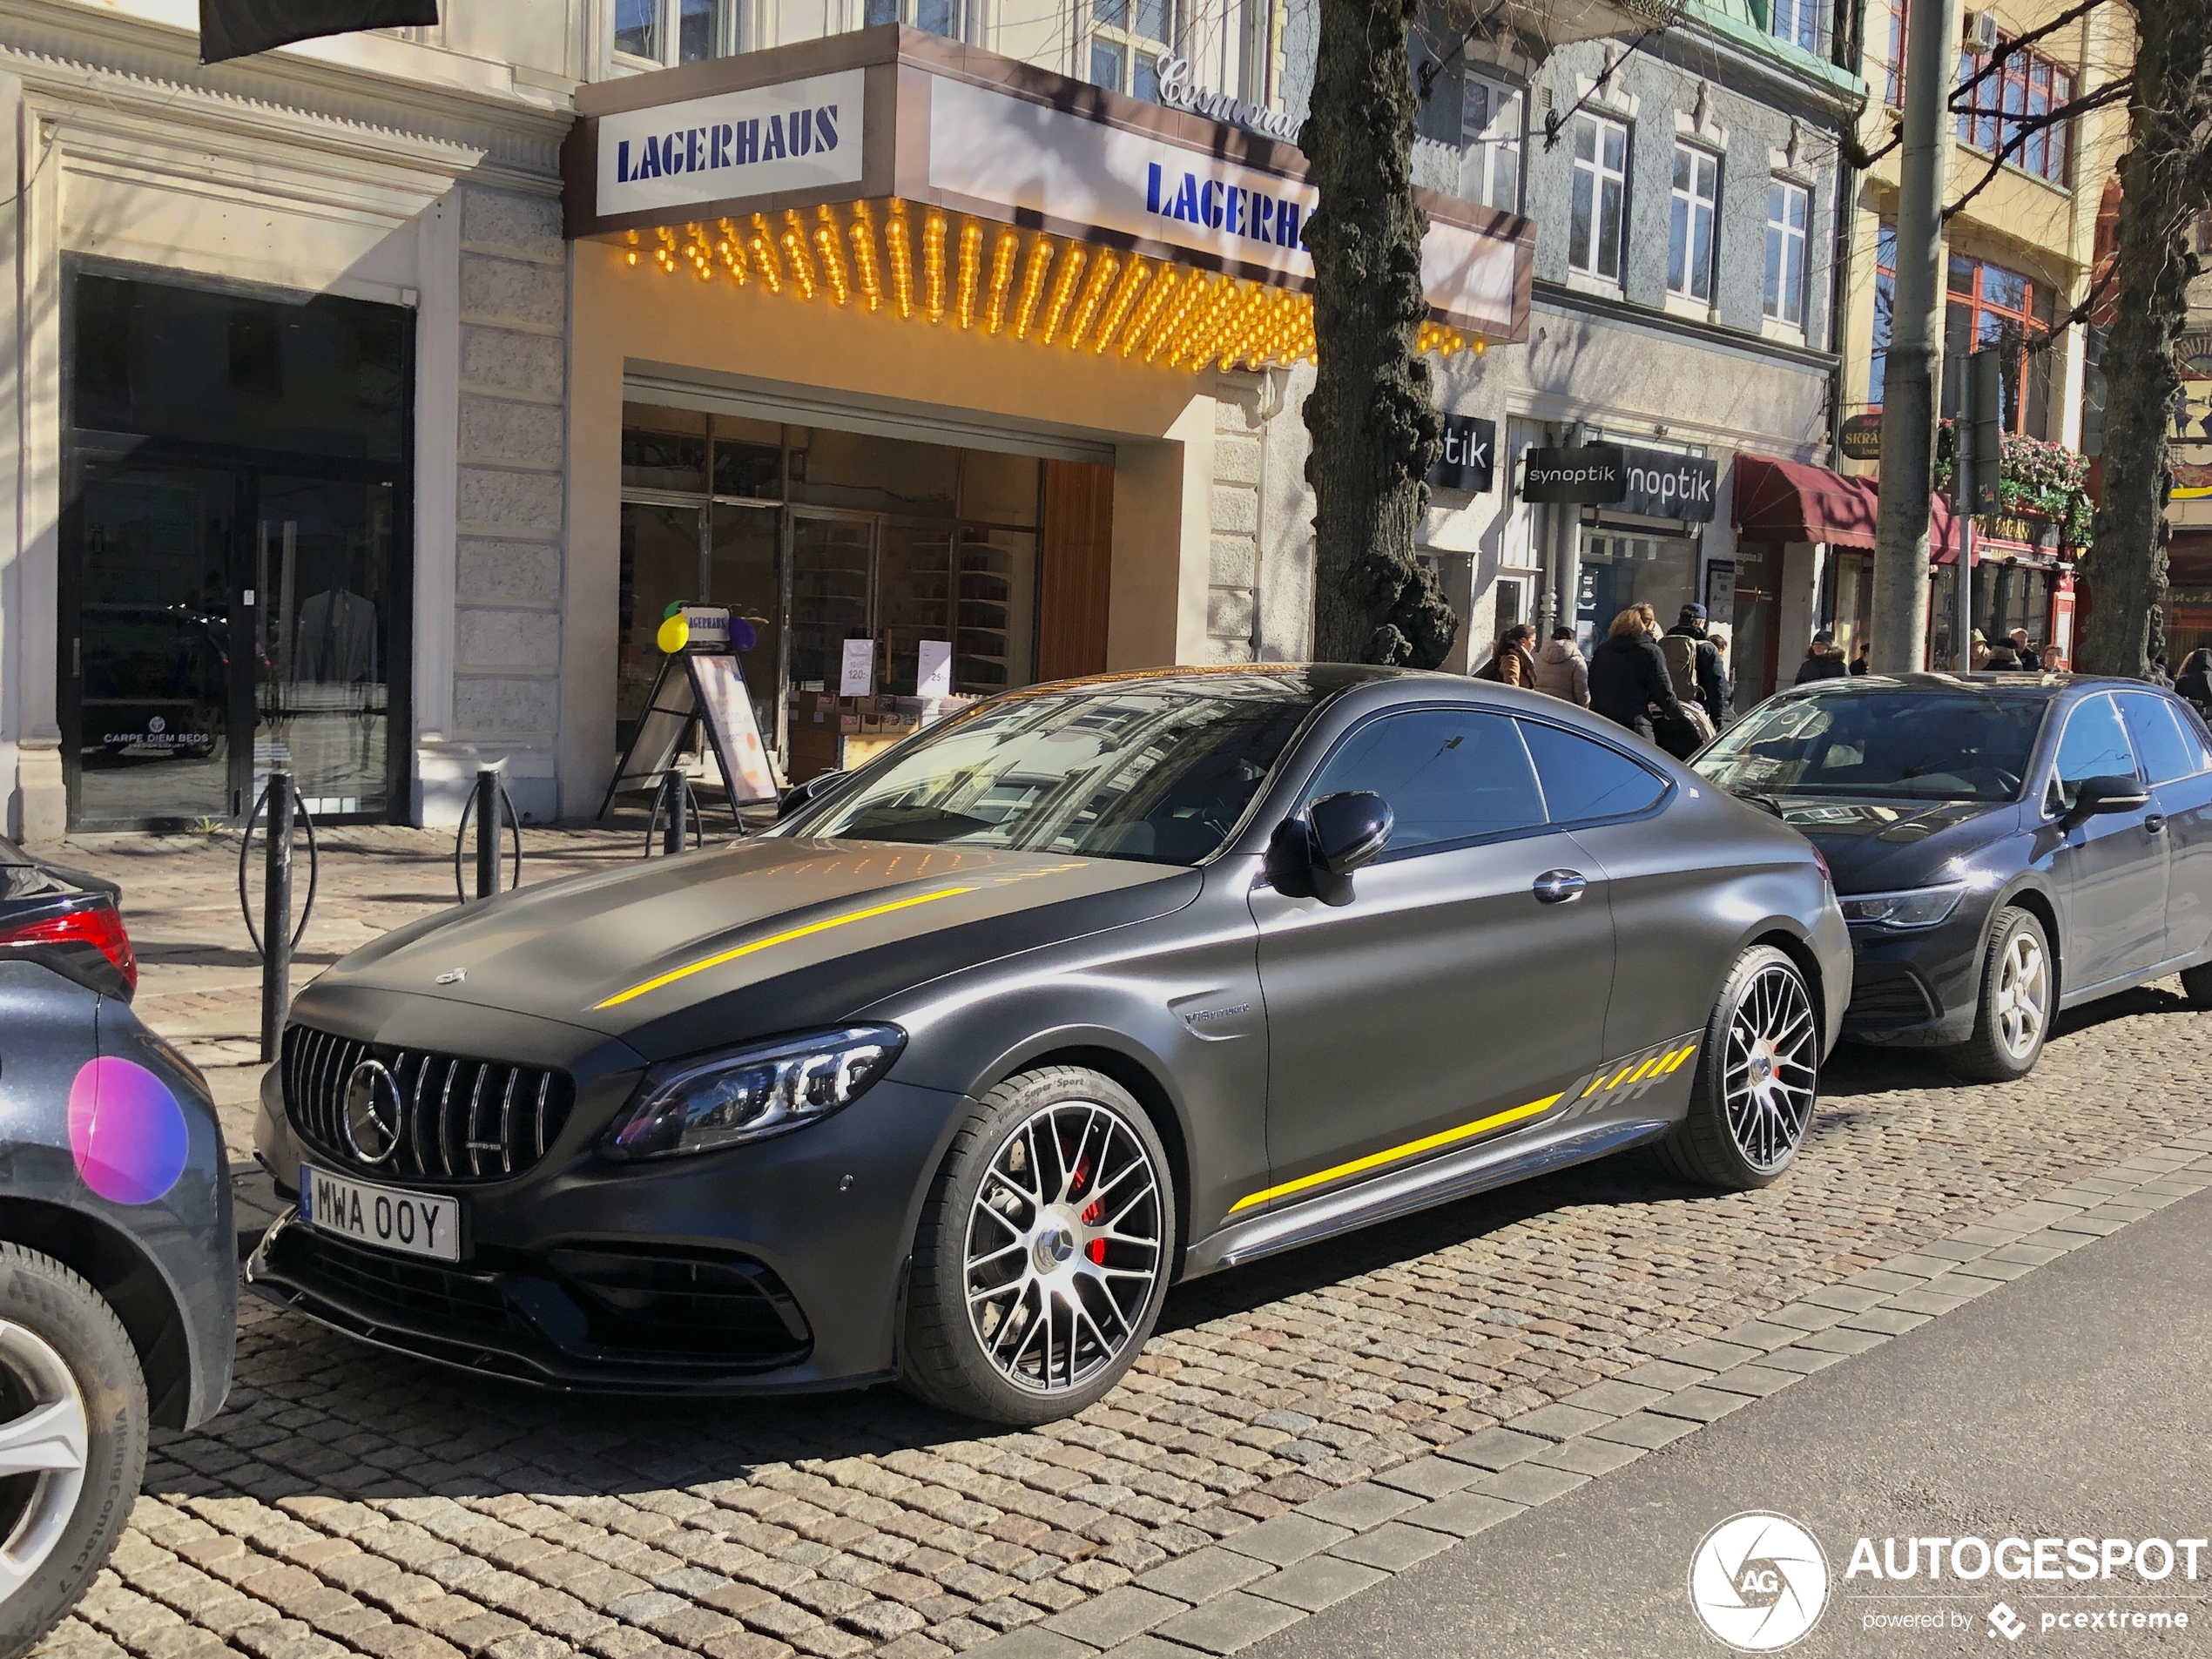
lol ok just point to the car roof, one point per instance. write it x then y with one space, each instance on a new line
2026 683
1298 681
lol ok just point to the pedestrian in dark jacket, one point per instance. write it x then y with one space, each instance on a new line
1629 676
2195 682
2024 648
1712 684
1861 660
1821 662
1515 661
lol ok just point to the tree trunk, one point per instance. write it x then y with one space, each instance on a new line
1373 410
2164 180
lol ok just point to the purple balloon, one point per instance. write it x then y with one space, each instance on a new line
743 635
126 1131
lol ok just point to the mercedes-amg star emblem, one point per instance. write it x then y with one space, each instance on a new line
371 1122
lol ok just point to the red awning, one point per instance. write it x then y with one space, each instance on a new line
1788 500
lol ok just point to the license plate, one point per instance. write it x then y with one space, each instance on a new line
413 1223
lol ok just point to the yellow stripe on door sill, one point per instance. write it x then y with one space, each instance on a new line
1374 1160
824 926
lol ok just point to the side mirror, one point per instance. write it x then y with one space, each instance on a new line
1346 830
799 794
2108 794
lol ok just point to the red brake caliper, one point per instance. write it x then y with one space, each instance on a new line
1096 1249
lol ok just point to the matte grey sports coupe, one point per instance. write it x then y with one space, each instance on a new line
1098 986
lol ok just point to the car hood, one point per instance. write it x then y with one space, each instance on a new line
770 935
1888 846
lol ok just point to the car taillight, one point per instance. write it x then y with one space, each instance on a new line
1822 865
99 924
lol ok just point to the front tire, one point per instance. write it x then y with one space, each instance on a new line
72 1442
1043 1253
1751 1101
2018 994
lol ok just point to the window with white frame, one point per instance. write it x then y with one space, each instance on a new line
1601 197
1127 38
945 18
1689 223
673 32
1797 21
1789 208
1490 123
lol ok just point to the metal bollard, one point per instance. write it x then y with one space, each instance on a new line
488 828
276 955
677 796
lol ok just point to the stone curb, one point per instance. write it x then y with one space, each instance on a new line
1263 1579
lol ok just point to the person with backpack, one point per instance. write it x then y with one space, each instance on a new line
1694 668
1561 671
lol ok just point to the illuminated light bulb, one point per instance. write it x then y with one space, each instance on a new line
862 235
1094 295
1166 278
1064 290
1002 260
631 256
1118 307
763 243
1203 326
832 258
1189 289
793 243
902 260
736 263
971 269
933 266
1032 277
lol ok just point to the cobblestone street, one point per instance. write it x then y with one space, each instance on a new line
347 1500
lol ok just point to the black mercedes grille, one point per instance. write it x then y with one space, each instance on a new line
427 1295
460 1119
1885 994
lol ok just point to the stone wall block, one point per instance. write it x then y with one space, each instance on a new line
522 434
507 639
1235 460
508 503
1234 562
1236 509
529 225
508 572
513 291
514 706
1229 613
529 364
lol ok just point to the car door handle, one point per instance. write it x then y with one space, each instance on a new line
2155 825
1559 887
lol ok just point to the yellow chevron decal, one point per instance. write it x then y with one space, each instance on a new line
1637 1074
785 938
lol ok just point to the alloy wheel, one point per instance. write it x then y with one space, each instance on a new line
1770 1072
1064 1244
43 1444
2023 995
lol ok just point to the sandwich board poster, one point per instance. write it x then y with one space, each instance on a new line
709 687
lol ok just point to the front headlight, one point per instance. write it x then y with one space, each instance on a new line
1916 908
702 1105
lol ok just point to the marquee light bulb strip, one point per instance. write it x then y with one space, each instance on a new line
997 281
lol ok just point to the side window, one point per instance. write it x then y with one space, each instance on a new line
1448 773
2094 746
1584 780
2167 752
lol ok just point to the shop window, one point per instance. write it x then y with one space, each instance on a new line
1801 23
1689 223
1600 199
1491 114
665 32
2024 87
945 17
1789 209
1127 38
1988 307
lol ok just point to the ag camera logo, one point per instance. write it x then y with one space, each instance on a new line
1758 1583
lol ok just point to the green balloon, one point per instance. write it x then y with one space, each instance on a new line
674 605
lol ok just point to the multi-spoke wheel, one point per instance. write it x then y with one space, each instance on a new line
72 1442
1752 1102
1043 1252
2018 994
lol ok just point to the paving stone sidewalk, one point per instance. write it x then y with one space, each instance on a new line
1295 1430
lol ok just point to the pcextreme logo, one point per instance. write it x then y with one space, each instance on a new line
1758 1583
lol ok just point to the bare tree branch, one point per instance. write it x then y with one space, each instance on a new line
2024 126
2021 42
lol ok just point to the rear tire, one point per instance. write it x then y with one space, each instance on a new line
1043 1253
2016 998
1757 1081
72 1442
2196 985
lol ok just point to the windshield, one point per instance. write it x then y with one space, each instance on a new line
1157 773
1898 745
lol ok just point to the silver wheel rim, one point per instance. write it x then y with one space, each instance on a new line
43 1448
1064 1247
2023 995
1771 1056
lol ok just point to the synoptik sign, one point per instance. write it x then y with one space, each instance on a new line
1653 483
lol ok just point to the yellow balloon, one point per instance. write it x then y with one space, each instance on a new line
675 634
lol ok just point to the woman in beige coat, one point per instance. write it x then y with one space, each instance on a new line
1561 671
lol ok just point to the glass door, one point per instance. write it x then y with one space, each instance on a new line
149 677
832 568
